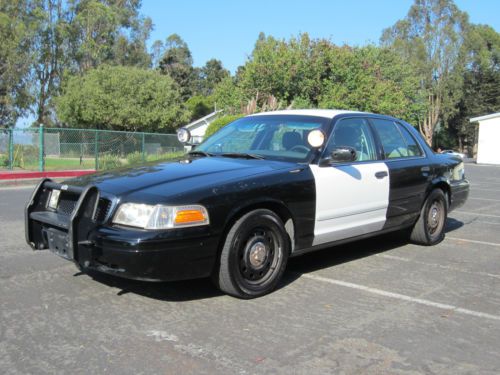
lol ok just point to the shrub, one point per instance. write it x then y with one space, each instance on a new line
220 123
134 158
109 161
199 106
165 156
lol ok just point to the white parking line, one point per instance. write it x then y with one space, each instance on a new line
485 199
480 189
451 268
401 297
486 222
473 241
475 213
484 182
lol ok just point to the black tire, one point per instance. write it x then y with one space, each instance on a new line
429 228
254 255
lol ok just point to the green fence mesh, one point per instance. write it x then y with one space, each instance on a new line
40 149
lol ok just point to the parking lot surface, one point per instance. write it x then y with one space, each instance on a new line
378 306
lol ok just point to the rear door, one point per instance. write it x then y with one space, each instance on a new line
351 198
409 171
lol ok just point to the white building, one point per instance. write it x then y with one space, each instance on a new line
488 144
198 127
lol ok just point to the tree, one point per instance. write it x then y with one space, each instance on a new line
199 106
431 38
78 35
309 73
283 69
15 61
211 75
229 96
177 63
481 89
371 79
131 50
121 98
50 54
108 31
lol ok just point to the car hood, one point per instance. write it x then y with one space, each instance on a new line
180 175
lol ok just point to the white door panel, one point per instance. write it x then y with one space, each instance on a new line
350 200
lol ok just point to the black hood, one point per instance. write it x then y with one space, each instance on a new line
174 177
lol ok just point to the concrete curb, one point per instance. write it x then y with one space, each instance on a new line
31 178
25 182
14 175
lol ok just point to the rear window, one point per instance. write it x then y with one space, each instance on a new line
397 142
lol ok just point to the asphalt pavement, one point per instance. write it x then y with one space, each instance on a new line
378 306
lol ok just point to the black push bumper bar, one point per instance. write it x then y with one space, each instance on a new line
76 226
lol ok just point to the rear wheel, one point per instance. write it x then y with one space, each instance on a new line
429 228
254 255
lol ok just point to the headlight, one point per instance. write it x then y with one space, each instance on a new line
54 198
160 216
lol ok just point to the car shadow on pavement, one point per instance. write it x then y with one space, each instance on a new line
336 255
185 290
188 290
454 224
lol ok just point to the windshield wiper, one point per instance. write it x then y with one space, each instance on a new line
200 153
243 155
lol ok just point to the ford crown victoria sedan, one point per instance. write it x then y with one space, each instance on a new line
262 189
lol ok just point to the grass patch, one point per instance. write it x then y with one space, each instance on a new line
105 161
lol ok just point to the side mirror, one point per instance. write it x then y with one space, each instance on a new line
341 154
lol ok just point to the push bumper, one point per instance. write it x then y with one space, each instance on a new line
178 254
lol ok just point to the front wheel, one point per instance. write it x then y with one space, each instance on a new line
254 255
429 228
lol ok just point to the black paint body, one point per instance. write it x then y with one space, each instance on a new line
228 188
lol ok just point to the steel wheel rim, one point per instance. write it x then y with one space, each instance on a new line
435 218
259 257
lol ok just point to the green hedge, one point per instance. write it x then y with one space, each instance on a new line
219 123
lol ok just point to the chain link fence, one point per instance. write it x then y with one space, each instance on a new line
45 149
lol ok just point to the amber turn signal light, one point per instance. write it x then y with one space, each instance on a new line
189 216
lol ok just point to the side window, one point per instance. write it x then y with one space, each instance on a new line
411 143
392 140
355 133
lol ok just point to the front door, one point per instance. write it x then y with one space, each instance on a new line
409 172
351 198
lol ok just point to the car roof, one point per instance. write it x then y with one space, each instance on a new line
327 113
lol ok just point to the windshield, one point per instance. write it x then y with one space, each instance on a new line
280 137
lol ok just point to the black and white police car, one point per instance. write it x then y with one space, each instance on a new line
263 188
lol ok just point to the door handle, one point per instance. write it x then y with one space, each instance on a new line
425 169
381 174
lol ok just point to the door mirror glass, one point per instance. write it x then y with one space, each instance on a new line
343 154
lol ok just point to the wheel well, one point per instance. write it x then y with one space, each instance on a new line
446 190
280 210
283 213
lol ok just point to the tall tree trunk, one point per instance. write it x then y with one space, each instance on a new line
431 119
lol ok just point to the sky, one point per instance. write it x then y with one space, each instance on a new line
227 29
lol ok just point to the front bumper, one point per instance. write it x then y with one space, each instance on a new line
167 255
